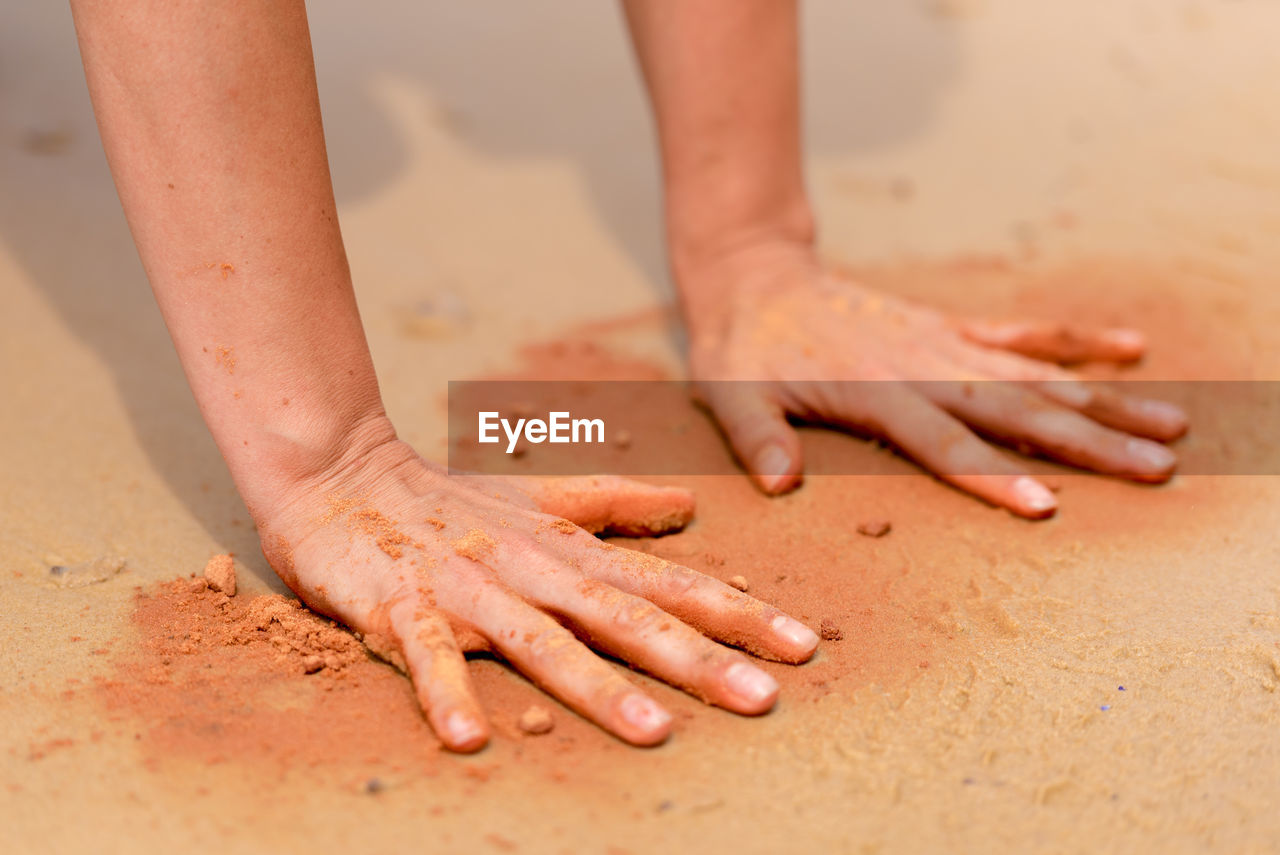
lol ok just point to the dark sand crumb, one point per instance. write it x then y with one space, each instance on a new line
830 630
875 528
739 582
536 720
220 573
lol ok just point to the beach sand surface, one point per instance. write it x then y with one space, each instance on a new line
1104 681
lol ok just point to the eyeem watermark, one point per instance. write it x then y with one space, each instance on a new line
558 428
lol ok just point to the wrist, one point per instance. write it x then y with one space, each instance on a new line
288 463
713 281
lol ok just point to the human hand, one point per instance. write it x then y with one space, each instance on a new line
801 331
429 565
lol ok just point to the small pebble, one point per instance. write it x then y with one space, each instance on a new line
739 582
830 630
622 439
875 528
536 721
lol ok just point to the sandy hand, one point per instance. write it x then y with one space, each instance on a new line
429 566
802 332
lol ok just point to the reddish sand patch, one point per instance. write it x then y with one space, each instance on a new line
263 679
927 576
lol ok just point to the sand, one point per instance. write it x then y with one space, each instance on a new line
1102 162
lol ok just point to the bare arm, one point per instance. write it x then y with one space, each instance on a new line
211 123
209 115
724 82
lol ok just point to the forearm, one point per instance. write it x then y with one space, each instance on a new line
211 123
723 79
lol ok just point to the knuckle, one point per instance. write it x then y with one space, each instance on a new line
550 645
676 581
637 616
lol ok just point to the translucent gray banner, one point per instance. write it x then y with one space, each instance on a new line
639 428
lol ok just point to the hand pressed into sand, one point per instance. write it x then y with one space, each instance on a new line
802 332
428 566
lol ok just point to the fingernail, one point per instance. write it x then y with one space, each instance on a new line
1033 495
1126 339
643 714
1151 455
773 465
794 631
1163 411
749 682
463 729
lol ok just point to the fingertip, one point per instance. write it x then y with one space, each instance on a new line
1126 344
463 732
801 641
774 470
751 690
1168 421
1153 462
641 721
1031 499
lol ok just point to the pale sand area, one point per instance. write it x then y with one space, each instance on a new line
501 162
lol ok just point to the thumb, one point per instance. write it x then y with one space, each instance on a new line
758 432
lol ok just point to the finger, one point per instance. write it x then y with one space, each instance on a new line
1057 342
1132 414
607 503
1146 417
440 676
550 655
1017 414
757 430
704 603
942 444
638 632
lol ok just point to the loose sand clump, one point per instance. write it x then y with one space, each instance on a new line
475 545
217 678
300 637
384 532
220 573
536 721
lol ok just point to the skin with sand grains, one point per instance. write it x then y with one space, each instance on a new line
511 567
822 347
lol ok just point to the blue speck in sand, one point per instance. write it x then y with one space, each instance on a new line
1106 707
1119 688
